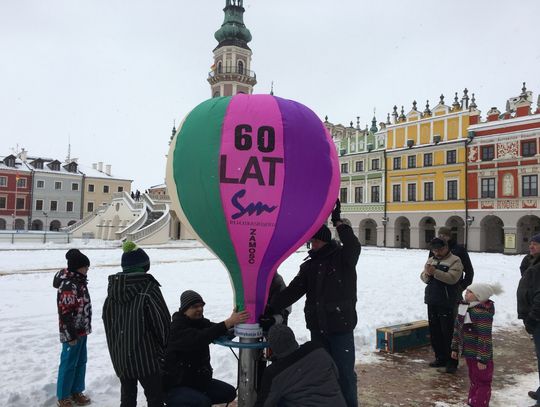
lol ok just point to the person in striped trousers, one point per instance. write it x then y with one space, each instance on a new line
472 337
137 323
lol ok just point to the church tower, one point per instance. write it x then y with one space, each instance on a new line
231 72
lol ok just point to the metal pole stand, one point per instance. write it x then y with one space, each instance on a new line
248 363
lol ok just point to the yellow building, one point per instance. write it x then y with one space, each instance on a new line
426 173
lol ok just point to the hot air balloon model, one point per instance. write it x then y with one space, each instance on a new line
254 177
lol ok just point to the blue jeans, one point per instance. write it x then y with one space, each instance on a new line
341 348
72 369
536 338
217 392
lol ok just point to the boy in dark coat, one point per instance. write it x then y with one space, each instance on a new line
188 377
75 323
328 279
528 301
137 324
301 376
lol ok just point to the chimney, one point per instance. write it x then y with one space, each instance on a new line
94 166
108 169
100 166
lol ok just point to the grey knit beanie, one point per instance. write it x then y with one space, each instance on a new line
281 340
189 298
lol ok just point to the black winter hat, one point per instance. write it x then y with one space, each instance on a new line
281 340
76 260
134 258
437 243
536 238
323 234
189 298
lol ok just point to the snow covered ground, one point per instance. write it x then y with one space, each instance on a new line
389 292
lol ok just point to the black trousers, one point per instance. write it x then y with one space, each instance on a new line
441 329
153 390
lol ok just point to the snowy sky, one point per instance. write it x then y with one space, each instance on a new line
112 75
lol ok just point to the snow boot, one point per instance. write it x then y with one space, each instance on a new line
80 399
64 403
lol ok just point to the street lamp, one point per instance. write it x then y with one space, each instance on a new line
384 220
45 235
469 220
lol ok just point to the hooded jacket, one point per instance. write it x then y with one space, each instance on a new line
328 279
74 305
137 324
187 361
528 294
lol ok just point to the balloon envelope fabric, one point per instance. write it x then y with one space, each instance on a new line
254 176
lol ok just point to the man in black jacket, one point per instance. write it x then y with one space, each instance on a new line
137 323
528 301
300 376
188 373
328 279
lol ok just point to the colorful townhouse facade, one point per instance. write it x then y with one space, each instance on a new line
443 166
503 169
15 193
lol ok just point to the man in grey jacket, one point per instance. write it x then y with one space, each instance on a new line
301 375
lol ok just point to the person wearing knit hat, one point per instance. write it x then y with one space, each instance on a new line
460 251
75 323
328 280
137 323
188 373
134 259
472 338
528 300
302 375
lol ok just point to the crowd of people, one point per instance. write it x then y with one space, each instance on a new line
170 357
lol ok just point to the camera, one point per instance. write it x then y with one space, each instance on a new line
442 267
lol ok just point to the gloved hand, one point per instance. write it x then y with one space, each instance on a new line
266 321
336 213
530 325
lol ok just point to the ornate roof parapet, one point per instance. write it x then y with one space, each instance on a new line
427 111
402 116
524 102
395 114
456 106
493 114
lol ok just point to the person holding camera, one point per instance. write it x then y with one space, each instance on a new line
442 273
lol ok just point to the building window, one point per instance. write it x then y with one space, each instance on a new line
411 161
359 166
487 153
19 203
343 194
74 186
530 185
21 182
428 191
90 187
375 164
451 157
69 206
396 193
3 202
105 189
375 194
411 192
345 168
53 206
528 148
3 181
39 204
428 159
359 195
120 189
397 163
90 207
488 188
40 184
452 193
57 185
